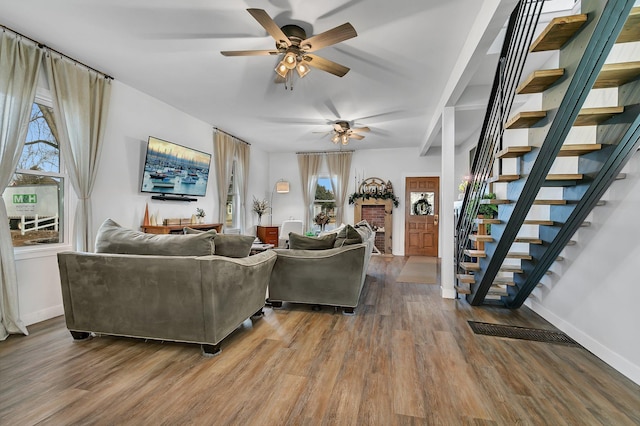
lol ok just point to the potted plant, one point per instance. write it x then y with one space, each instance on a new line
489 211
260 207
200 215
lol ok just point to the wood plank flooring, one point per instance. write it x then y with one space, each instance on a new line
407 357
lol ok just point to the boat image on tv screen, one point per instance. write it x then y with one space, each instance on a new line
174 169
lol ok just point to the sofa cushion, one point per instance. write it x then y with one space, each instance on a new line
302 242
348 235
113 238
228 245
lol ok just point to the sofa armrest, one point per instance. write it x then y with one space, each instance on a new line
233 289
326 277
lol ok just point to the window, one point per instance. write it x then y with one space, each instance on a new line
233 201
35 195
325 200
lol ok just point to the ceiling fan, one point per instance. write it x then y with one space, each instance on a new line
342 132
296 48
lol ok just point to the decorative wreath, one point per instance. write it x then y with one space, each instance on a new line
422 207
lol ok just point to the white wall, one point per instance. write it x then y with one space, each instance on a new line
593 294
388 164
133 117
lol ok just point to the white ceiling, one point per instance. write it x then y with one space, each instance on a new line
400 62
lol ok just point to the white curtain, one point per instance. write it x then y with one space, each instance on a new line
309 164
339 164
243 152
80 106
20 63
223 152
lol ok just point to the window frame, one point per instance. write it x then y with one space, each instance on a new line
44 97
332 182
234 194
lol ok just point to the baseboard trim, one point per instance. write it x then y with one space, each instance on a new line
616 361
43 315
448 293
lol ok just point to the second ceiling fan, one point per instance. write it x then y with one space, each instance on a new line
296 48
342 132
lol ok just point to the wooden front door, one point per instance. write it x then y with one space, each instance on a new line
421 216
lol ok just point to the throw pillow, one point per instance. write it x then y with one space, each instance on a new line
228 245
348 235
113 238
302 242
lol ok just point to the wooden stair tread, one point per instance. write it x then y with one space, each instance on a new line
631 29
615 75
558 32
466 278
550 202
495 201
539 222
525 119
514 151
578 149
563 179
528 240
503 178
475 253
462 290
511 268
519 255
595 116
497 291
481 238
565 176
504 281
486 221
470 266
570 150
539 81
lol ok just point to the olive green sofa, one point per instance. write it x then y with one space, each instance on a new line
331 276
197 298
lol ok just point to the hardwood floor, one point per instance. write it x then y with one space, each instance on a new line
407 357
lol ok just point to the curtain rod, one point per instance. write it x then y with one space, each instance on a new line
45 47
229 134
324 152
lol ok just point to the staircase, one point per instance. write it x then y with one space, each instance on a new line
557 155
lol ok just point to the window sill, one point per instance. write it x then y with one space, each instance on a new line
23 253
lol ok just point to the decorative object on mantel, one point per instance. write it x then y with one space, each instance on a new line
375 188
145 220
260 207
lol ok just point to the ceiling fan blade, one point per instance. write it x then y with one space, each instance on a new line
249 52
356 136
329 37
326 65
338 128
269 24
361 129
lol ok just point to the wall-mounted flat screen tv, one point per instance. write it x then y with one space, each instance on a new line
175 170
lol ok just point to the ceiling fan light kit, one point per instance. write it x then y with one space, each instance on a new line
294 46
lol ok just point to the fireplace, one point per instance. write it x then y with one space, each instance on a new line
378 214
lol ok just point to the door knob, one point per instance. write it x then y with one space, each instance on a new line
435 219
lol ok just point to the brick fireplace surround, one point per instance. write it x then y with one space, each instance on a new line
374 214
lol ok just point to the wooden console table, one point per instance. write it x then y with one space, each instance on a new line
178 229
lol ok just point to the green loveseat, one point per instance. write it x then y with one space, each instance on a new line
197 298
323 276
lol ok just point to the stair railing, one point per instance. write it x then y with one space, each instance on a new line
518 38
